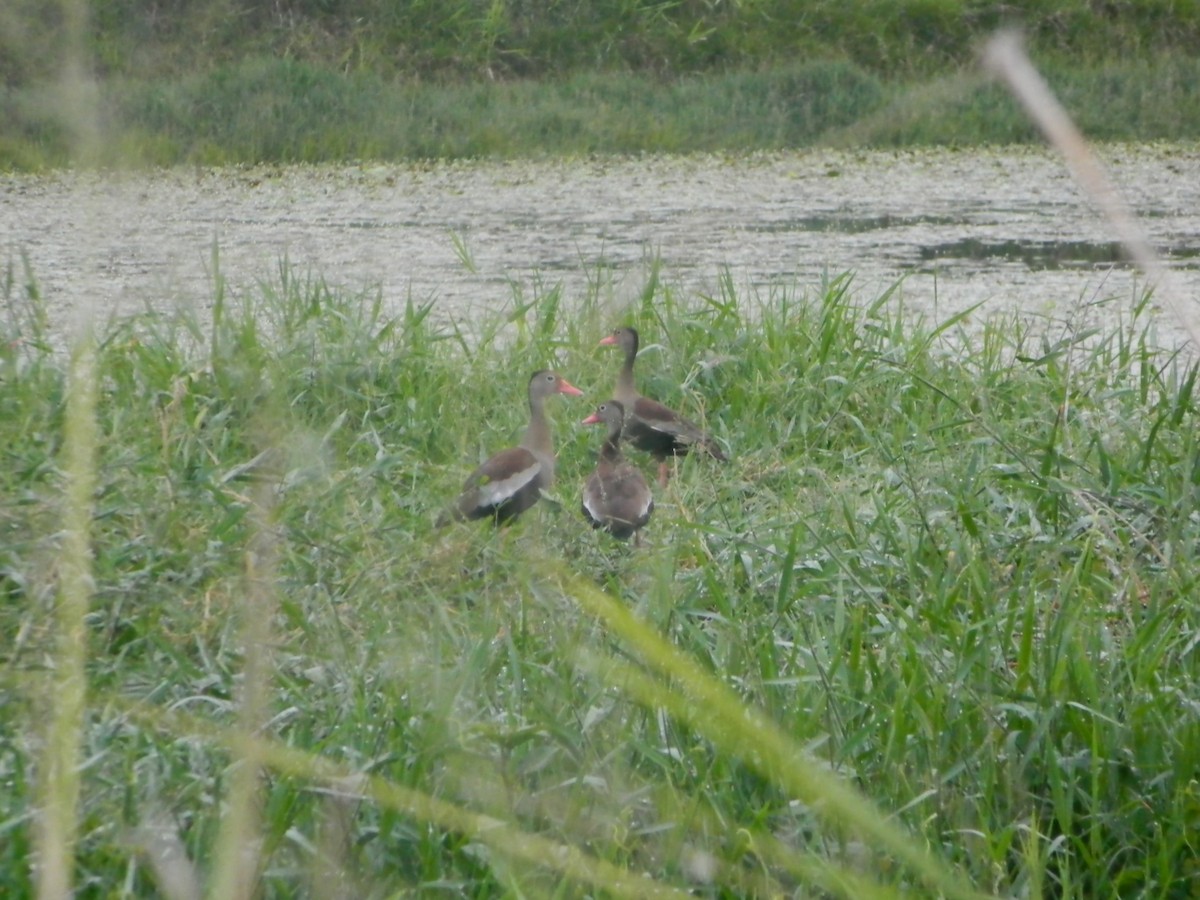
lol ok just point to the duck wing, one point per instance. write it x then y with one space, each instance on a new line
504 486
661 431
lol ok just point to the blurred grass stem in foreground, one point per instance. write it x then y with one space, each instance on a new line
1005 57
67 698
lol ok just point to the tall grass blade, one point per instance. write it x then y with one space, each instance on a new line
59 780
338 781
716 712
237 860
1006 59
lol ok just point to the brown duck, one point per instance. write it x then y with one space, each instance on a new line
512 481
616 496
650 426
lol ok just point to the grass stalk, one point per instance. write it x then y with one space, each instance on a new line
338 781
1007 60
238 852
717 713
67 699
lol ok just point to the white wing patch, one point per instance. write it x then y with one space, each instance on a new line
496 492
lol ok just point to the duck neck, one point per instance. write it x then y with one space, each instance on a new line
625 388
538 439
610 450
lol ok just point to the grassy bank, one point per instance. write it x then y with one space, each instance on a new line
963 582
270 110
480 39
225 81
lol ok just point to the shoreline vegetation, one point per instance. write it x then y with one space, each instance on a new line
937 609
226 83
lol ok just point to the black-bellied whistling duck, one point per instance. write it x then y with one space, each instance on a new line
649 425
616 496
512 481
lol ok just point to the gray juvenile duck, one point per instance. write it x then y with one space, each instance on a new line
510 482
616 496
650 426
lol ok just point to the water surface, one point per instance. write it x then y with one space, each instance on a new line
1007 229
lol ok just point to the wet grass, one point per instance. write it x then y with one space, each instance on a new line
933 624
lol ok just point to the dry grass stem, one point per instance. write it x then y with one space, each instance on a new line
59 778
1005 57
238 846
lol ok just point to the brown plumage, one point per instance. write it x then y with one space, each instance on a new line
510 482
616 496
650 426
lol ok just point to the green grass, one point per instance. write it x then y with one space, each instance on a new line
231 81
471 39
934 623
282 110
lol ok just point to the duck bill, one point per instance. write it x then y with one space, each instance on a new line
565 387
607 341
593 419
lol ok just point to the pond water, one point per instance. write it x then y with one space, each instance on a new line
1004 228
